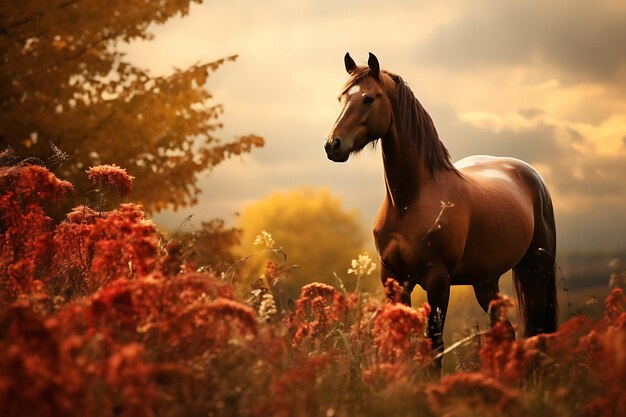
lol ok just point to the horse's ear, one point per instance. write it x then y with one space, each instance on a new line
372 62
350 65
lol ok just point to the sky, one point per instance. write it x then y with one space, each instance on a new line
541 81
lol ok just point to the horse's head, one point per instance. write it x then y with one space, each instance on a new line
366 110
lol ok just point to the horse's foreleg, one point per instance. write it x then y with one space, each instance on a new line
437 286
486 292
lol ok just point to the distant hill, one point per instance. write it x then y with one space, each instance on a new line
588 275
589 270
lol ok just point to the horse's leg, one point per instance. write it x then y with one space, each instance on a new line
486 292
437 286
534 278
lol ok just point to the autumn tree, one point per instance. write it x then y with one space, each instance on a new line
313 228
209 247
65 88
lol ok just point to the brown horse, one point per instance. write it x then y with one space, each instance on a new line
444 224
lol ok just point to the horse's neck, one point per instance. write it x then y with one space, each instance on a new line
404 171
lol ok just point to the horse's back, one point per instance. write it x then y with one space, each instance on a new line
481 162
497 177
504 172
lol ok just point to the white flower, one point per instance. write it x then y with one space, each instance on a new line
362 266
264 239
267 307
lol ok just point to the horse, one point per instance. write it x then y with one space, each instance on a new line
443 224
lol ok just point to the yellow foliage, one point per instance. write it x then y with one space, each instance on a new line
312 227
63 79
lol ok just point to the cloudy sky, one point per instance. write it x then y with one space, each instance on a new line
541 81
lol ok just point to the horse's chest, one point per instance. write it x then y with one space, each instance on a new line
411 245
402 255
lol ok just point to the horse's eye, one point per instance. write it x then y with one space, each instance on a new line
368 100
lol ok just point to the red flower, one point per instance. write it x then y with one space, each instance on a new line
472 394
394 291
32 181
111 176
25 237
399 333
319 307
503 357
604 347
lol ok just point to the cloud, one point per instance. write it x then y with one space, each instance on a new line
584 40
582 158
480 132
585 180
593 140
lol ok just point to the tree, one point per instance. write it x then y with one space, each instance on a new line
210 247
312 227
62 79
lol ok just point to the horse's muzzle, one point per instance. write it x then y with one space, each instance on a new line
334 152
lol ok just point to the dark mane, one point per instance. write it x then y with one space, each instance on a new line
412 122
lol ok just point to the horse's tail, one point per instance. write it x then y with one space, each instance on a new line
534 277
521 299
552 301
550 321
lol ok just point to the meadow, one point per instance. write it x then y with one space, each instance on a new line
102 315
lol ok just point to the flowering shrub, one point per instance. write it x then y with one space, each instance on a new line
99 317
111 176
503 357
319 309
395 328
467 393
25 227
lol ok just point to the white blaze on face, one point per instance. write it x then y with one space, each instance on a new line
354 89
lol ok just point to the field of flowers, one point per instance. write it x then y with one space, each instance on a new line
101 315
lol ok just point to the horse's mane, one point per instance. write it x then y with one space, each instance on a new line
412 122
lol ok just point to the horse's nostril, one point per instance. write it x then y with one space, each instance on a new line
336 144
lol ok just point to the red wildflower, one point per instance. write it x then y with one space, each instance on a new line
502 356
604 346
314 290
128 375
25 238
387 377
317 309
233 311
32 183
394 291
399 332
615 305
123 243
295 391
82 215
20 275
472 394
499 308
200 328
106 176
